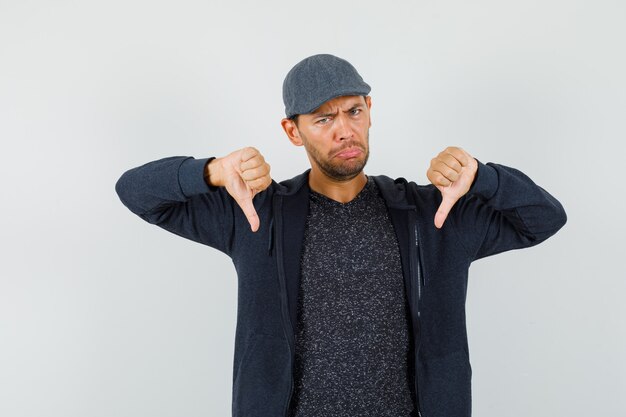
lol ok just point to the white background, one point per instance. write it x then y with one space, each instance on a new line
103 315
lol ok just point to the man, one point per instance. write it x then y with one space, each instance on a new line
351 297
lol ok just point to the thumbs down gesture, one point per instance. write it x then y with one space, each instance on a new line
452 171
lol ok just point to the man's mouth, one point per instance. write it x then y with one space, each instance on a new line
351 152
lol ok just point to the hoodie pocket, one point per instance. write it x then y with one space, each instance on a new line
263 378
446 385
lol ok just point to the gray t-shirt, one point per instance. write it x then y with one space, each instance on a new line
353 336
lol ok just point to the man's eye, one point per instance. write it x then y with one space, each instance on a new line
323 120
356 111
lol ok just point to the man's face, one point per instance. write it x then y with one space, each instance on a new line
336 136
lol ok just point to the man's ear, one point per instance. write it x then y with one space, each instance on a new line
368 101
291 129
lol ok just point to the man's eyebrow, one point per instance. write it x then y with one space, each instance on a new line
356 106
320 114
327 114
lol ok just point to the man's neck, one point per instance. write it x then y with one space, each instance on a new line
341 191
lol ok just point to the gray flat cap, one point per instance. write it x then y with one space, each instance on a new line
317 79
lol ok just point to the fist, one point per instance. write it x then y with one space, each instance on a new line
243 173
452 172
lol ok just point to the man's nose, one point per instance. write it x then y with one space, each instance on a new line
343 128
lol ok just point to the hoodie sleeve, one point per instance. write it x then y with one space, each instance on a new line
504 210
171 193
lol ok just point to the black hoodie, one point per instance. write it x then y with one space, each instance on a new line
503 210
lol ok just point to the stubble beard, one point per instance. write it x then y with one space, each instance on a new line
341 170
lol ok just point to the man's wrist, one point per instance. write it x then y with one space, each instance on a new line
190 176
212 173
485 183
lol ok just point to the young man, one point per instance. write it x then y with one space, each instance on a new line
351 297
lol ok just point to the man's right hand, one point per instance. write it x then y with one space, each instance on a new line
243 173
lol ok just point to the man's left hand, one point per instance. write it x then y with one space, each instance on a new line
452 172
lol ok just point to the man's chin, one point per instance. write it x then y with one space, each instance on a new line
344 173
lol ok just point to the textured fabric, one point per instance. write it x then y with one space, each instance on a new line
352 337
504 210
317 79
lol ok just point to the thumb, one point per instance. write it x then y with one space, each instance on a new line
249 211
446 205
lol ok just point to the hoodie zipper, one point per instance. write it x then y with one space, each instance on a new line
278 243
416 272
419 272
